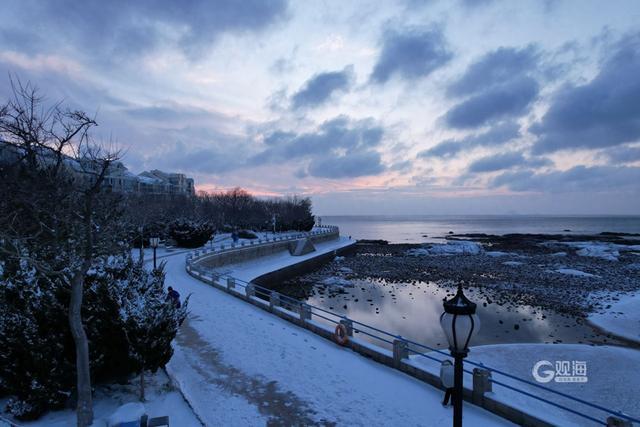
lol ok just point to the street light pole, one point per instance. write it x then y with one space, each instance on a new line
460 323
154 242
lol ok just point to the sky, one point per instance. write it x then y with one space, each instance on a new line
368 107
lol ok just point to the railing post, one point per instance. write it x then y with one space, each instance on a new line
305 312
618 422
400 351
481 384
274 300
348 324
231 283
249 290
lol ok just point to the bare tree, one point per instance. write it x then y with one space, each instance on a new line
50 206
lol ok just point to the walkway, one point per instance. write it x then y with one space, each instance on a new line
239 365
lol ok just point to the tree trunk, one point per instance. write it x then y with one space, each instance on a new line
142 384
84 409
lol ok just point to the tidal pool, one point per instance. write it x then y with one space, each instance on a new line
413 310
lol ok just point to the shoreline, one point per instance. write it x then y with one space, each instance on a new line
544 277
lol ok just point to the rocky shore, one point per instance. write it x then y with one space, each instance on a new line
569 274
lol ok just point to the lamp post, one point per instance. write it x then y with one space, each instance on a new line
154 242
460 323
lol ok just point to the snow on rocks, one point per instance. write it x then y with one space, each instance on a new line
573 272
452 247
603 250
337 281
496 254
512 263
621 318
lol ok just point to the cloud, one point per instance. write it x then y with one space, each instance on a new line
410 54
476 3
508 100
125 30
577 179
338 148
504 161
495 136
499 85
622 155
347 166
493 69
319 88
169 112
602 113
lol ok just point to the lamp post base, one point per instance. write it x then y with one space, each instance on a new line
458 390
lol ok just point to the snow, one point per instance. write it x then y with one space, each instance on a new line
452 247
599 251
162 399
240 365
497 253
337 281
607 369
573 272
622 318
603 250
128 412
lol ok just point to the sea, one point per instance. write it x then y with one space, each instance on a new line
432 228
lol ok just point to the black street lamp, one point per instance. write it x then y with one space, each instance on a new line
154 242
460 323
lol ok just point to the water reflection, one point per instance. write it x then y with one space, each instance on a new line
413 311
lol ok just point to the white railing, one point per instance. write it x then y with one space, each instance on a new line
197 255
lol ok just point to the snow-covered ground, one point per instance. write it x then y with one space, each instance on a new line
609 373
240 365
452 247
604 250
621 318
161 399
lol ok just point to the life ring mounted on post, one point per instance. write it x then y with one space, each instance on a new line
341 335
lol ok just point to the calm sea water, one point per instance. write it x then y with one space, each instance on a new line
413 229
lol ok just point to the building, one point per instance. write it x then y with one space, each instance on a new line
117 179
166 182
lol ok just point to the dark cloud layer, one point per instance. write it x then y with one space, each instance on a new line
125 29
494 68
410 54
576 179
622 155
495 136
602 113
319 88
508 100
504 161
339 148
497 86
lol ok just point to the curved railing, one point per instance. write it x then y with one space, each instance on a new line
305 312
198 255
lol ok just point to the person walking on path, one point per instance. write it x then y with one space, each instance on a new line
173 296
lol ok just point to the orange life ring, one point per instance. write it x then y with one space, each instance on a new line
341 336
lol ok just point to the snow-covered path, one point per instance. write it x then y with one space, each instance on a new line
240 365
